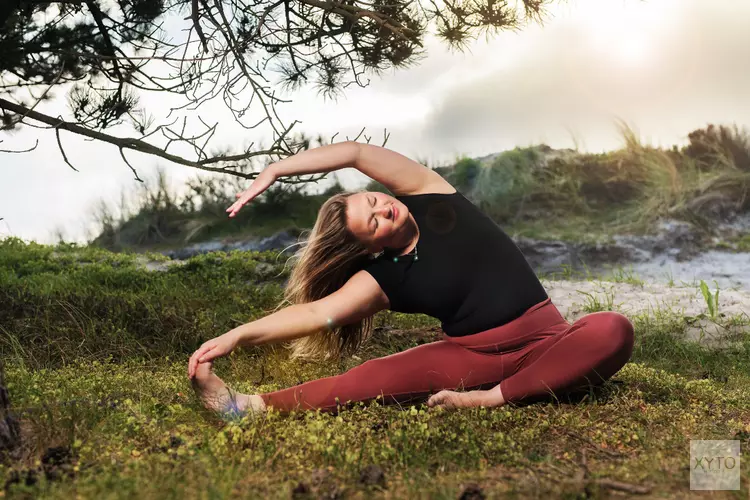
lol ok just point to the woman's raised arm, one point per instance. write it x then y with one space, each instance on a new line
311 161
400 174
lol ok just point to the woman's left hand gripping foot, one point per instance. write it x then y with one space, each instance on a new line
218 397
212 391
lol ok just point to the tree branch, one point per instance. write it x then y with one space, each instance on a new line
142 146
97 15
354 13
197 24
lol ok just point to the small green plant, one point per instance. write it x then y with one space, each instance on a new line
567 272
621 275
712 301
595 304
670 278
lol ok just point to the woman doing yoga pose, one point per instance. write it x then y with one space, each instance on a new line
430 250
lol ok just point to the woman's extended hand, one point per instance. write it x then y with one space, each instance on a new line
453 399
212 349
264 179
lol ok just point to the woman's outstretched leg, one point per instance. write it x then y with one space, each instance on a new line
404 377
593 349
587 352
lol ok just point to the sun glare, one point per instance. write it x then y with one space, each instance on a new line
624 33
632 50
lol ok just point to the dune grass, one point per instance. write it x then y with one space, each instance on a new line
589 196
95 349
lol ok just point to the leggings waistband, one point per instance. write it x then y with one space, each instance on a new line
516 333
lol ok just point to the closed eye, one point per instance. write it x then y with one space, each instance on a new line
372 204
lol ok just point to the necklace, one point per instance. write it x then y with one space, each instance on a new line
416 255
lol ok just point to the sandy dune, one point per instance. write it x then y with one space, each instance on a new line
573 297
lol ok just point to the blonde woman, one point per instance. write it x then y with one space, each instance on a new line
429 250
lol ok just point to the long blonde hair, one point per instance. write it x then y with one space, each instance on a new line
323 264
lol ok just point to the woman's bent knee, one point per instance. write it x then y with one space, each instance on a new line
619 331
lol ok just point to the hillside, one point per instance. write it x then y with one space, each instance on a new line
587 195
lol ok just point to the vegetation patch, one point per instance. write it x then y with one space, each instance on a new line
96 362
589 196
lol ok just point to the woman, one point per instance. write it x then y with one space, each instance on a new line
426 250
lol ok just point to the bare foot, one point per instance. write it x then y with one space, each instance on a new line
218 397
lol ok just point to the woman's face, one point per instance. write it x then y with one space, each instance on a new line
379 220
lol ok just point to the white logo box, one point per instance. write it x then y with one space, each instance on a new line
715 464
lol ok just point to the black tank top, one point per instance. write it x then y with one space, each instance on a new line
470 275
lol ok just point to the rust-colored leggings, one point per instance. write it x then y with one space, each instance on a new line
536 355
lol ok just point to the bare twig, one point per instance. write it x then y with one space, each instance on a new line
62 150
103 57
32 148
46 91
125 159
263 16
621 486
97 15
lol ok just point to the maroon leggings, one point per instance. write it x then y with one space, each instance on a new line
537 354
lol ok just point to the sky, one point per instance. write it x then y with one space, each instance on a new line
665 67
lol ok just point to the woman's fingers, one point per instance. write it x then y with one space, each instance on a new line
234 205
239 204
242 198
259 184
435 399
193 363
444 399
209 355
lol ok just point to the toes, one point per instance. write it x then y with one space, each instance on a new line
203 371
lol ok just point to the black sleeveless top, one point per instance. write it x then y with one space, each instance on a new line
470 275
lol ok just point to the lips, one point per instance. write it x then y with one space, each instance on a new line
395 213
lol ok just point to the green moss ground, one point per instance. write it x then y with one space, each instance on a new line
95 359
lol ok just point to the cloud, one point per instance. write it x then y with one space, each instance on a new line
686 76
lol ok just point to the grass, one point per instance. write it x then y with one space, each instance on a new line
95 349
615 274
154 217
96 357
594 303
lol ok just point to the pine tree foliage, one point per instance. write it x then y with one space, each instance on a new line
106 55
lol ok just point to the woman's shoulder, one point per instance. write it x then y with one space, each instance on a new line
438 189
432 184
427 197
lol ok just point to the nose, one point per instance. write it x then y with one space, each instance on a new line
384 211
